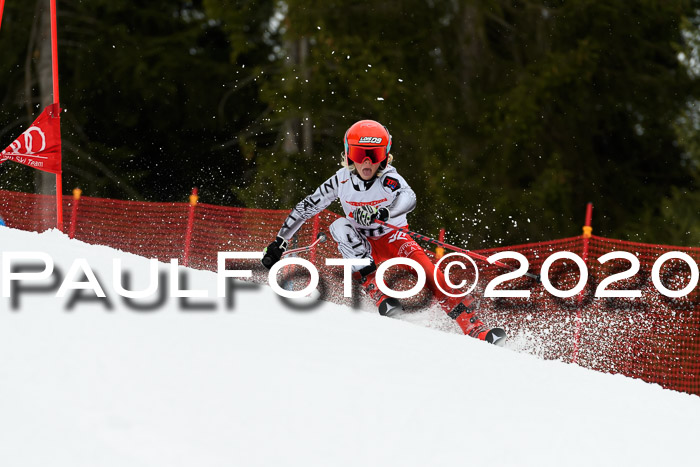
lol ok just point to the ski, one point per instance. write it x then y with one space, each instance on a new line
496 336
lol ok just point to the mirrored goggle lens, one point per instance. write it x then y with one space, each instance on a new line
359 154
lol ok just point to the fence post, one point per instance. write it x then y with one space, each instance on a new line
587 231
74 212
190 226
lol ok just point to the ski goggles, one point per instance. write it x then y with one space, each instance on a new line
358 154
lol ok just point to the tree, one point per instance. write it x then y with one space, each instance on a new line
15 106
507 116
153 105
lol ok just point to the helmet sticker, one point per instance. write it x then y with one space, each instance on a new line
370 140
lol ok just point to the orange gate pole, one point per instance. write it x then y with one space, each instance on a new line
440 251
190 226
74 215
587 231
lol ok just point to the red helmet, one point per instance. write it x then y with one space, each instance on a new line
367 139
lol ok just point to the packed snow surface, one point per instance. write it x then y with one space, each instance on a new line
86 382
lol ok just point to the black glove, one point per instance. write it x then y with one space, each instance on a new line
273 252
365 215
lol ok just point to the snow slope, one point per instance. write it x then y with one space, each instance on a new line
265 385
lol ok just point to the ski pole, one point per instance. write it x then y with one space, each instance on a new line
320 238
418 236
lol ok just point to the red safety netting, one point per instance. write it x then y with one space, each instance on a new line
27 211
654 337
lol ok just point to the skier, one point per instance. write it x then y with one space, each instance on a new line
370 188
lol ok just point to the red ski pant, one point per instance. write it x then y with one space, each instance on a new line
399 244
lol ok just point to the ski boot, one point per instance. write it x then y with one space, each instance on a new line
387 306
472 326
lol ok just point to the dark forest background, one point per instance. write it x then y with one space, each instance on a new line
507 116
